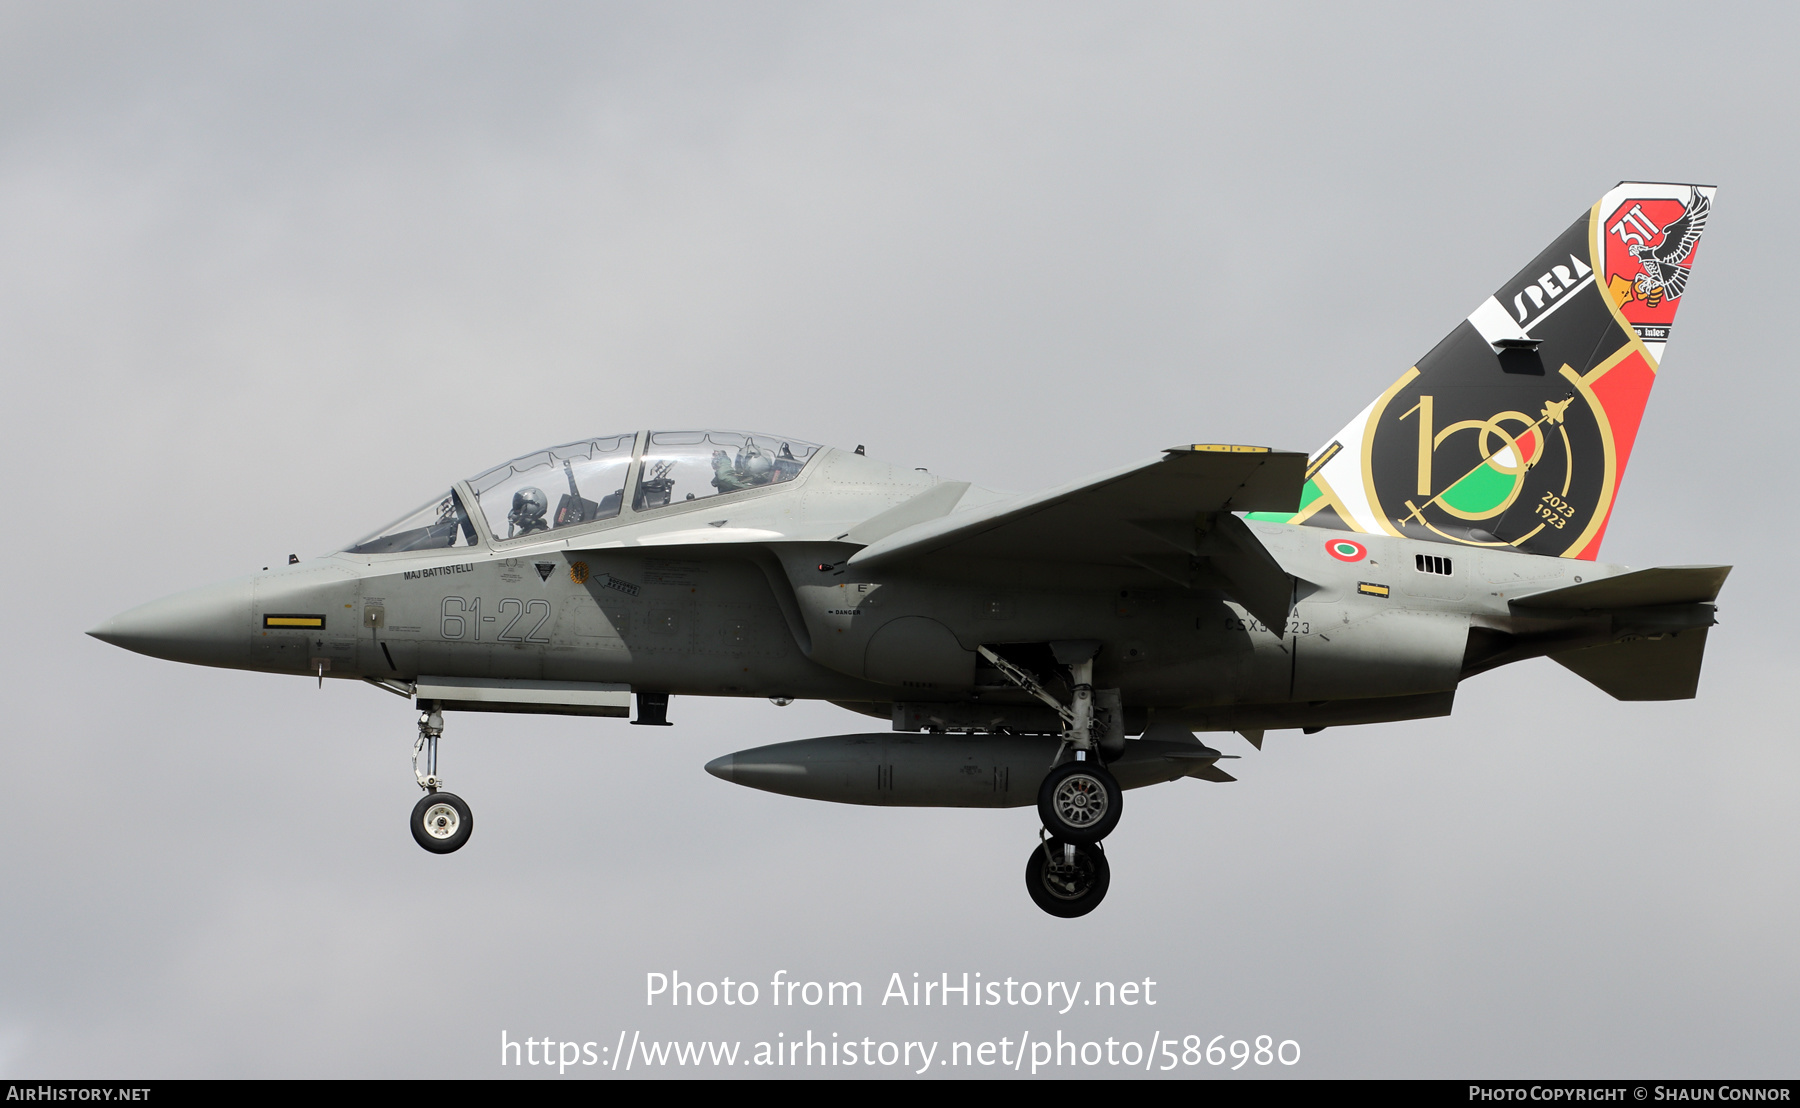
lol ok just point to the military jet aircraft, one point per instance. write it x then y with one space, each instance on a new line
1048 649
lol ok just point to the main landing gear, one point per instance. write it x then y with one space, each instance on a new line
441 822
1079 802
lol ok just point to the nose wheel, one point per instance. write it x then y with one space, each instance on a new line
1067 879
441 821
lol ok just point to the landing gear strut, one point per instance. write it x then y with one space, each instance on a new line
1079 801
441 822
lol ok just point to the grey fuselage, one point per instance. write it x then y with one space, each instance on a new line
748 594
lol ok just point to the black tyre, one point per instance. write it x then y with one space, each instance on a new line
1080 802
1066 879
441 822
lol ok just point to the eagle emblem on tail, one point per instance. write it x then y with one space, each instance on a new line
1665 271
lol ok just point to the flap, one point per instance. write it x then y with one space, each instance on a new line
1639 589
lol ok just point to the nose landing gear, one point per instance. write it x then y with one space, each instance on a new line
441 822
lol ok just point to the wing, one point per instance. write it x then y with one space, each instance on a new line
1169 516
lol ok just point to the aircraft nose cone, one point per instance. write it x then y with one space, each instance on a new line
722 767
208 626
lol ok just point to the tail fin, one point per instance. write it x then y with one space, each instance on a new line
1515 429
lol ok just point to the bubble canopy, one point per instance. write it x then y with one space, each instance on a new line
680 466
563 486
440 525
585 482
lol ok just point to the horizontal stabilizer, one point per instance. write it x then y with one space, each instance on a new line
1639 589
1664 667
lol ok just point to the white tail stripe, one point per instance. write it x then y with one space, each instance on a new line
1496 324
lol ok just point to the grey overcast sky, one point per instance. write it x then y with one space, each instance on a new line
273 274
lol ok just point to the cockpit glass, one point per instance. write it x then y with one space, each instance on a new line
439 525
693 465
579 482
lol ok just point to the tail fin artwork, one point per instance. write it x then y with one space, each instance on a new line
1515 429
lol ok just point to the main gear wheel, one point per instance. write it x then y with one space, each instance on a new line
1080 802
1067 879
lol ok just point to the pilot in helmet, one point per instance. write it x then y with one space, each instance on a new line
754 465
529 507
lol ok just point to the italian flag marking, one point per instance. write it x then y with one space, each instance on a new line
1482 492
1346 550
